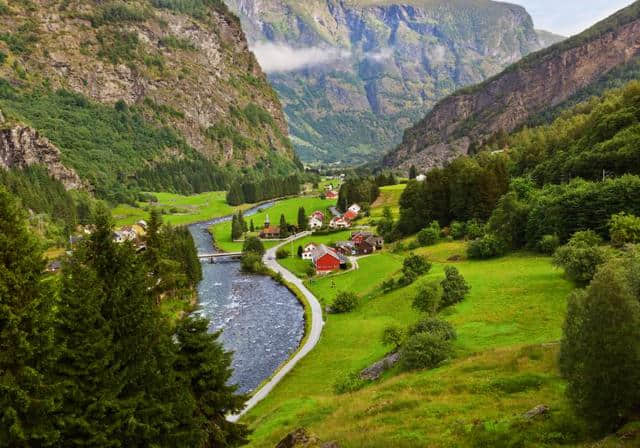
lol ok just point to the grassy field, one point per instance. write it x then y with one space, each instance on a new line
179 210
505 364
389 197
288 207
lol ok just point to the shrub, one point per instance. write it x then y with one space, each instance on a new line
475 229
415 266
430 235
434 326
3 57
253 244
623 229
345 301
393 335
424 351
388 285
488 246
413 245
580 258
427 300
252 263
458 230
282 253
350 383
310 270
119 11
518 383
454 286
548 244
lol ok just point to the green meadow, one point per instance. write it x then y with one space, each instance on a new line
505 363
389 197
288 207
178 209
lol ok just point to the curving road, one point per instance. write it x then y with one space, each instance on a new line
314 333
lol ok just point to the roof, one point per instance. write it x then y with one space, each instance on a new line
306 246
323 250
270 230
332 194
350 215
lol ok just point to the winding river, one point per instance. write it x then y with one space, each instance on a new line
262 321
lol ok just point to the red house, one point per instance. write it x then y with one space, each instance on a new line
350 215
331 195
326 260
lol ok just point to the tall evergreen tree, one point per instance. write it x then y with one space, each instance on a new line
413 172
302 219
252 228
284 232
27 394
205 367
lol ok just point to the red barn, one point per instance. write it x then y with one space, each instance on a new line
326 260
331 195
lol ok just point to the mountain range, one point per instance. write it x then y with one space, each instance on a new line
530 91
352 75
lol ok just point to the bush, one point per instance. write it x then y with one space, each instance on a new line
454 286
413 245
580 258
282 253
393 335
548 244
310 270
475 229
427 300
624 229
388 285
345 301
3 57
414 266
430 235
424 351
350 383
434 326
458 230
254 245
252 263
488 246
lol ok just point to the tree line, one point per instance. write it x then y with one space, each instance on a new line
250 192
87 360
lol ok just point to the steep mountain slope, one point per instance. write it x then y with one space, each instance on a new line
133 92
353 74
472 116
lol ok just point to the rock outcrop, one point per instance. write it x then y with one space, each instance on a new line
21 147
302 438
507 101
374 371
377 66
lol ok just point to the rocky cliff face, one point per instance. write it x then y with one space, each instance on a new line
21 147
186 64
507 101
353 74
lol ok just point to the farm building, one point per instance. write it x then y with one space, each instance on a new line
327 260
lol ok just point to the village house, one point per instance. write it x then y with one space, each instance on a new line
270 233
142 223
346 248
54 266
359 237
327 260
307 251
339 222
314 223
367 242
365 247
318 215
355 208
331 195
350 215
127 233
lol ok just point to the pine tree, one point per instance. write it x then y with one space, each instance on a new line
242 221
302 219
454 286
205 367
236 228
28 394
154 242
235 195
284 232
252 227
413 172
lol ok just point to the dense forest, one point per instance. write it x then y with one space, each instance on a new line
572 174
87 359
256 191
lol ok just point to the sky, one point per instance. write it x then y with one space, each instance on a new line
569 17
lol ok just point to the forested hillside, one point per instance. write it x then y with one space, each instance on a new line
141 95
557 76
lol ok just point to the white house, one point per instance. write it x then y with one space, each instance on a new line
355 208
307 251
339 223
314 223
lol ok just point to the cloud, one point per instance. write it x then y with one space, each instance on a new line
380 55
276 58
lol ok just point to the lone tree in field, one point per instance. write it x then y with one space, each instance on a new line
600 354
254 245
454 286
427 300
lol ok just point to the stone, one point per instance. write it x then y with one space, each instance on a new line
300 438
541 409
374 371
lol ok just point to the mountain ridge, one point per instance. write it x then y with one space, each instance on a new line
465 120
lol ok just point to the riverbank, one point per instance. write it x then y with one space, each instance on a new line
308 343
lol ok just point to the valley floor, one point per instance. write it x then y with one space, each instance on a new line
508 332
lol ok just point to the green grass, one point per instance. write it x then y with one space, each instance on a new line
389 197
190 209
288 207
505 365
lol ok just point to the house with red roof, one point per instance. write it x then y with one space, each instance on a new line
327 260
331 195
350 215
